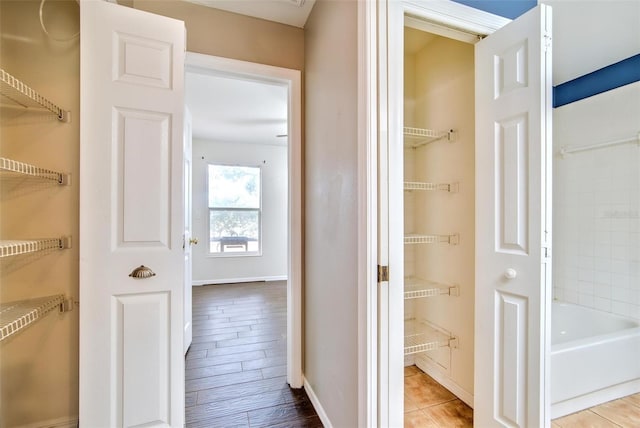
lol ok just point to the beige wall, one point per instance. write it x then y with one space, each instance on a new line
220 33
39 366
330 301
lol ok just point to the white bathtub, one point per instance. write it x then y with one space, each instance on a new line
595 357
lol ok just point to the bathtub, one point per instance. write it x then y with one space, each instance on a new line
595 357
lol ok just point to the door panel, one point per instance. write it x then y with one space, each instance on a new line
513 105
131 214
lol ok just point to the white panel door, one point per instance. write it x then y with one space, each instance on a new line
513 141
188 239
131 214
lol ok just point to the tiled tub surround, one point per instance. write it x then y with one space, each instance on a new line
596 243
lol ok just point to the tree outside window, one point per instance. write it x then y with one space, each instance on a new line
234 210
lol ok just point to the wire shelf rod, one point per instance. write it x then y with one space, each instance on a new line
415 288
20 93
18 315
9 248
416 185
10 165
565 150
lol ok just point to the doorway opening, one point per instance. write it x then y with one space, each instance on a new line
279 145
439 250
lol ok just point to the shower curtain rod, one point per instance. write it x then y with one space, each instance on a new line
564 150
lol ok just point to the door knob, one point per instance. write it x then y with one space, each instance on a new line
193 241
510 273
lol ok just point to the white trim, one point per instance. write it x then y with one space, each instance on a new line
582 402
66 422
317 405
292 79
455 15
238 280
367 218
390 42
424 365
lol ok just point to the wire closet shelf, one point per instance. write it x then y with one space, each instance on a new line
452 239
416 185
418 137
18 315
20 168
24 96
422 336
9 248
415 288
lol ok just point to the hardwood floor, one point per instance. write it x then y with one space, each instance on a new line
236 366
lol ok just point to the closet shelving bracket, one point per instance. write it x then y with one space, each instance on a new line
13 166
23 95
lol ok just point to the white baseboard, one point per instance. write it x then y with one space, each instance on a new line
445 381
316 405
66 422
199 282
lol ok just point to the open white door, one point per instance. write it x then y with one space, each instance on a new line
131 214
188 239
513 141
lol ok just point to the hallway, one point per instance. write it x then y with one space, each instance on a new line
236 366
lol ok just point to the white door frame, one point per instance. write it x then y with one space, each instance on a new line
292 80
387 30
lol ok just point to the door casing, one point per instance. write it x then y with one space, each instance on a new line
291 79
387 31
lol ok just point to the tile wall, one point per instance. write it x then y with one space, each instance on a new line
596 241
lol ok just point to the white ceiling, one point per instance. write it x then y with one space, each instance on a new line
232 110
290 12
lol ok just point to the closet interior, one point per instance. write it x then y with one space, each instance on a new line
439 221
39 134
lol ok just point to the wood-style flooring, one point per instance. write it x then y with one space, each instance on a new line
236 366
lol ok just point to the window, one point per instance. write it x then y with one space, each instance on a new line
234 210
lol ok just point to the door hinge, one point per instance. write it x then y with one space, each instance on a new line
383 273
547 42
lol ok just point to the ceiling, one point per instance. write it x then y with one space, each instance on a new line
233 110
290 12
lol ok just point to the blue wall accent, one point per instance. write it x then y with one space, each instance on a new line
610 77
507 8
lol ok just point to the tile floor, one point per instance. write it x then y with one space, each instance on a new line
427 404
430 405
236 366
622 413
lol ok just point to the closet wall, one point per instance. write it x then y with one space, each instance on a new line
39 365
439 95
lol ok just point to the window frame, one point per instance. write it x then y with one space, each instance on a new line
259 210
